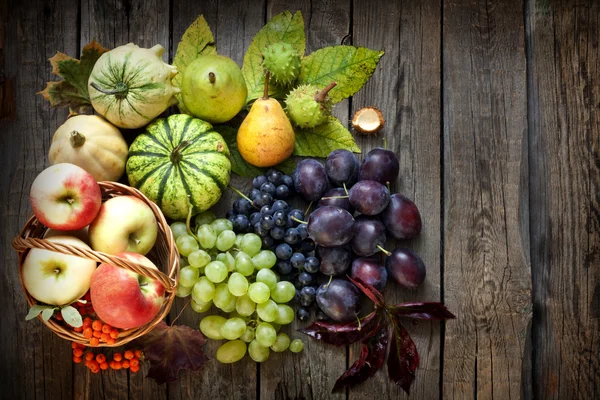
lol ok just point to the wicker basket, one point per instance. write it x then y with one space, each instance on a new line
164 255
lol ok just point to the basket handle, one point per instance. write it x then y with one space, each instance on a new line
21 245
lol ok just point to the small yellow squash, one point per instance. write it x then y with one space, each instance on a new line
92 143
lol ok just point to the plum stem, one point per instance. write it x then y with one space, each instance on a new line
387 253
334 197
359 324
345 189
299 220
328 283
384 143
308 208
181 311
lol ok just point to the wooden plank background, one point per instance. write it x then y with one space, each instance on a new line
493 110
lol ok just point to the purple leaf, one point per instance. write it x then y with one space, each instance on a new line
369 291
343 334
403 359
429 311
372 357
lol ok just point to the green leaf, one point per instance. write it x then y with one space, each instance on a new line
36 309
73 90
196 40
238 165
288 166
349 66
323 139
47 314
283 27
71 316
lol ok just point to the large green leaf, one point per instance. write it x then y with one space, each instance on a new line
196 40
323 139
283 27
349 66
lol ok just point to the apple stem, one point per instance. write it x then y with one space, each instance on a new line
387 253
70 200
181 311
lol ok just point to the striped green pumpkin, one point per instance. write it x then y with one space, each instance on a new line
177 157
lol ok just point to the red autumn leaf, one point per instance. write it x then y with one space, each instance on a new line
369 291
343 334
372 357
171 349
403 359
430 311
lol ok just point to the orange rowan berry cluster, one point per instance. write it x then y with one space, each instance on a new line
96 362
97 332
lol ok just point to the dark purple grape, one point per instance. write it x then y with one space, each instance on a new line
310 179
282 192
379 165
277 232
267 221
294 215
253 193
280 218
370 271
283 251
267 209
284 268
401 217
321 316
334 260
240 223
287 181
242 206
258 181
307 295
405 268
230 214
305 279
259 230
263 199
302 231
267 242
291 236
341 201
255 217
339 300
368 234
311 265
341 167
268 187
306 246
330 226
369 197
274 176
280 205
297 260
303 314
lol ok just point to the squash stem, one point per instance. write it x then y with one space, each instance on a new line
176 153
120 90
77 139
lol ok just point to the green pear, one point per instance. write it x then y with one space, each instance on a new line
213 88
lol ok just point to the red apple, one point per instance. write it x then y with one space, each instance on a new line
65 197
124 223
123 298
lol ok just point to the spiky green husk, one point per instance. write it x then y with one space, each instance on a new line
302 108
283 62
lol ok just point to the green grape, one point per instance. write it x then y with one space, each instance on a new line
248 334
257 352
188 276
296 346
183 291
267 311
221 224
259 292
205 217
244 305
243 264
237 284
201 307
251 244
210 326
238 240
222 296
284 292
178 229
233 328
216 271
230 306
203 291
183 262
285 314
265 334
206 236
282 343
264 259
225 240
268 277
199 258
231 352
228 260
186 244
277 327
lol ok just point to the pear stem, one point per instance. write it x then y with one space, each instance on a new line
211 77
320 97
266 91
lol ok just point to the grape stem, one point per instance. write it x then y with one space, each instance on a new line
181 311
242 195
299 220
387 253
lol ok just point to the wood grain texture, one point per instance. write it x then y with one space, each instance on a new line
35 363
407 88
310 374
486 271
564 125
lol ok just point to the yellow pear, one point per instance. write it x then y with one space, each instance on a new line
266 137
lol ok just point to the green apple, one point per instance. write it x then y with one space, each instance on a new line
213 88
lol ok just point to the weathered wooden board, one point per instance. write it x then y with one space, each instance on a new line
406 87
486 235
564 98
